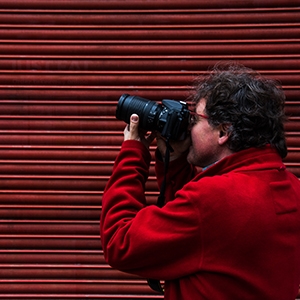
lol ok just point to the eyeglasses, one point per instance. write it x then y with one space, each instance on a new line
193 117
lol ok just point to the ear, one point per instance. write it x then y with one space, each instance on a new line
223 134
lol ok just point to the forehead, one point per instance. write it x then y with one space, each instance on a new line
200 107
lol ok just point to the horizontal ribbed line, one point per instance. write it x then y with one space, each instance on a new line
85 87
151 27
50 236
38 191
88 81
99 133
15 206
42 102
148 34
292 93
71 168
150 11
54 251
132 73
144 50
61 123
122 63
102 281
61 117
50 192
28 222
24 272
80 286
57 266
63 273
77 4
90 76
60 148
94 281
155 57
49 228
67 177
54 162
293 164
58 183
67 256
106 87
145 65
157 42
70 193
157 17
80 296
50 243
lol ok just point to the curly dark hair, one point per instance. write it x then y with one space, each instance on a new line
250 106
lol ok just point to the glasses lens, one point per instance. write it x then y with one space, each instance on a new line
192 118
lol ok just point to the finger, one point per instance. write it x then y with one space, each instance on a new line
134 126
126 129
151 137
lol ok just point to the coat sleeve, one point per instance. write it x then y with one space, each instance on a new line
152 242
178 174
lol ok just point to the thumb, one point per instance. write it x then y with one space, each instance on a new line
134 118
134 126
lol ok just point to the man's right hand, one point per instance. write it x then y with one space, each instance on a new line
133 132
179 147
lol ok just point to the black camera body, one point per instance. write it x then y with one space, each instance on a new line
170 119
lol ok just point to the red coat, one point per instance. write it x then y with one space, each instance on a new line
232 232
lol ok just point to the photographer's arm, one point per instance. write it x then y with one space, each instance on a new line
179 171
137 238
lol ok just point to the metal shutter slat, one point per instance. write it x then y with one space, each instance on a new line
134 4
63 66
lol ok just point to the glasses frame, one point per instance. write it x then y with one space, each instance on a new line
193 120
193 113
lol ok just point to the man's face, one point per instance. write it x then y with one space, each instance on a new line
205 148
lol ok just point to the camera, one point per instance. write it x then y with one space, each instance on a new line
170 119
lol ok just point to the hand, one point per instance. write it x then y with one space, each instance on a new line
133 132
179 147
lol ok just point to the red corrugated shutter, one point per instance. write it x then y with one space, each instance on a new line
63 66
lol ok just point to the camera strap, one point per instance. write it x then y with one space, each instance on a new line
154 283
161 197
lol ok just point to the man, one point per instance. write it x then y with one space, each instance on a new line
229 232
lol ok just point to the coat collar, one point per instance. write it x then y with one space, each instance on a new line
246 160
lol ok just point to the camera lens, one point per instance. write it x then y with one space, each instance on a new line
147 110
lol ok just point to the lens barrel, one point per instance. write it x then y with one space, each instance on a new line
147 110
170 119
